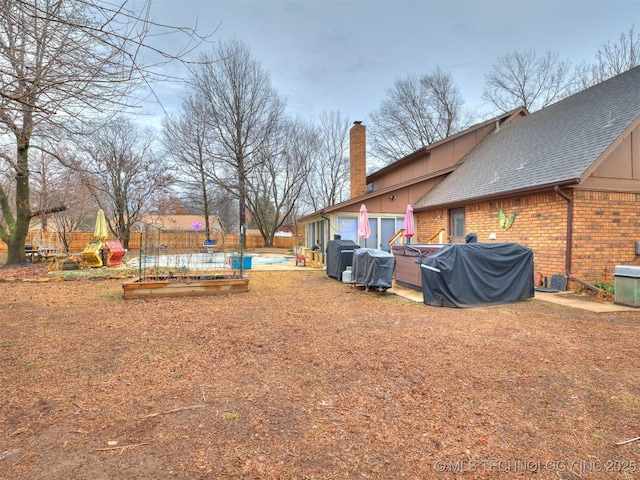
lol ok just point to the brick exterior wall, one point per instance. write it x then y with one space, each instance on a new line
427 224
540 224
606 226
358 159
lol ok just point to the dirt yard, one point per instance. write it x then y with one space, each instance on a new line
304 377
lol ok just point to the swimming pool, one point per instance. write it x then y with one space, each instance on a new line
199 261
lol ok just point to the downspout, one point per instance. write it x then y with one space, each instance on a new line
567 266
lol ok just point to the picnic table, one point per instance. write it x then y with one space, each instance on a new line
39 254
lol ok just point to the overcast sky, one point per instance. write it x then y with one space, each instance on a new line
344 54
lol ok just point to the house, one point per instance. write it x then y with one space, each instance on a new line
571 175
568 176
387 192
178 223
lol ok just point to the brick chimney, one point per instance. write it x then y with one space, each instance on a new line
358 159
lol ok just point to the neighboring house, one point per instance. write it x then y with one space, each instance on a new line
291 225
569 172
387 191
49 229
177 223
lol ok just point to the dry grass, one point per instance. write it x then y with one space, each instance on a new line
305 377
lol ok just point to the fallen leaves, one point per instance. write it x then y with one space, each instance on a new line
302 377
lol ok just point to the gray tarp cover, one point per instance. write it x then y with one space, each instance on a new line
373 268
474 274
339 256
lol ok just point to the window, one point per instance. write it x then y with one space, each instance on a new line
388 229
348 228
382 229
456 225
372 241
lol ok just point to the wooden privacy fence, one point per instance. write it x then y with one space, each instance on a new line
186 240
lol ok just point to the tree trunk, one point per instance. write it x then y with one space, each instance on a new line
124 238
18 234
242 190
206 208
268 241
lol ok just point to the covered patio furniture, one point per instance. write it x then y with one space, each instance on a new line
339 256
373 268
478 274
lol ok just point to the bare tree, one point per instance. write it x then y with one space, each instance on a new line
328 181
276 183
186 141
225 206
61 61
123 173
59 190
523 79
243 111
417 112
185 136
169 203
611 60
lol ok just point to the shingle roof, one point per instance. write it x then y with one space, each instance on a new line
555 145
178 222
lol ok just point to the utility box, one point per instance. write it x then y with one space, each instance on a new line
627 285
246 263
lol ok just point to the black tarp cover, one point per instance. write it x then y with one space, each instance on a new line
339 256
475 274
373 268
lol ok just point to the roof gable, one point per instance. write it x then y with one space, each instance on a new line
500 120
352 205
556 145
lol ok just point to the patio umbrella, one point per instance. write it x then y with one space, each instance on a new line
409 229
100 231
364 230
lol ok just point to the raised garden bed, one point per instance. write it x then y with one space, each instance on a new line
184 286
